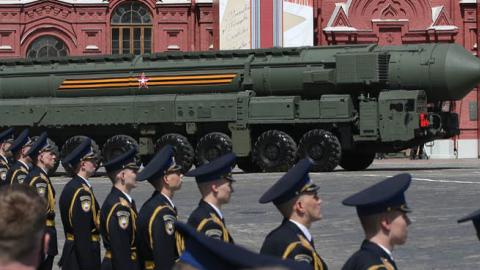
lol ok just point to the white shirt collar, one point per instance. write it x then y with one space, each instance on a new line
24 164
386 250
168 199
85 180
43 170
128 196
304 229
4 158
216 210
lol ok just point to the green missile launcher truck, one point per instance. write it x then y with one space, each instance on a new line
337 105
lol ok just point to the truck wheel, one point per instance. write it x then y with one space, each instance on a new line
182 149
212 146
247 165
355 161
322 147
55 150
71 144
118 145
274 151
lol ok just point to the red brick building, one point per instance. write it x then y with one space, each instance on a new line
33 28
77 27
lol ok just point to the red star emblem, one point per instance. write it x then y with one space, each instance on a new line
142 81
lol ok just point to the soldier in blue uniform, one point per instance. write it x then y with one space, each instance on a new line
214 181
295 196
44 159
156 237
382 210
118 215
21 167
6 139
475 218
206 253
80 212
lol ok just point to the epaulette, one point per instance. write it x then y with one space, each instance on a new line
85 187
124 202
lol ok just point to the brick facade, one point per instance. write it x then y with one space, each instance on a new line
85 25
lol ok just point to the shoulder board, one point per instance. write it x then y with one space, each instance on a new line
377 267
85 187
124 202
305 242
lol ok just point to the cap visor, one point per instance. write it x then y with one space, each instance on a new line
174 168
229 178
312 188
132 166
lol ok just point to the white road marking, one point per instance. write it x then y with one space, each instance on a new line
426 179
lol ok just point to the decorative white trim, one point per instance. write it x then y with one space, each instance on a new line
443 27
339 29
173 47
468 2
170 2
91 47
5 48
204 1
339 6
435 13
389 20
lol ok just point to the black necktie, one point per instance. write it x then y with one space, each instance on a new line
134 206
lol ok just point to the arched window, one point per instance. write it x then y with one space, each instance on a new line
131 29
47 46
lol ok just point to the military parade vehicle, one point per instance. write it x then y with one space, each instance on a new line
337 105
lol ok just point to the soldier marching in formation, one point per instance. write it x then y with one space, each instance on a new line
80 212
6 139
118 216
214 181
205 242
43 157
382 210
158 244
21 167
295 196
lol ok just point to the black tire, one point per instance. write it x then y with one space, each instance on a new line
52 171
355 161
247 165
274 151
71 144
118 145
182 149
322 147
212 146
